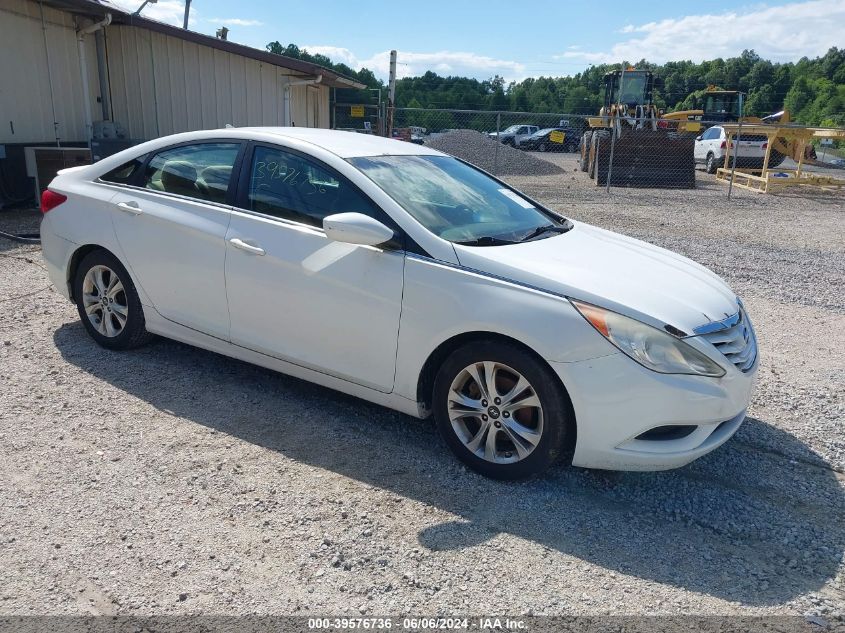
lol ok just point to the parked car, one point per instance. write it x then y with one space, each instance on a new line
515 134
408 278
711 148
552 139
837 162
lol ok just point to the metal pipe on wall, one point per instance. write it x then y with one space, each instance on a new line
83 66
298 82
102 74
49 76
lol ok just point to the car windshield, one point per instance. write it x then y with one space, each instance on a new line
512 128
458 202
544 132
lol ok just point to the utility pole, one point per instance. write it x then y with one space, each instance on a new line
391 94
187 13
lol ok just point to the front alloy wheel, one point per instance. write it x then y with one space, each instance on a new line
495 412
501 409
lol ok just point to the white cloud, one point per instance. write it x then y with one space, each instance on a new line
413 64
235 21
783 33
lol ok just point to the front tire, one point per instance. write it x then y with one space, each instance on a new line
584 160
108 302
501 410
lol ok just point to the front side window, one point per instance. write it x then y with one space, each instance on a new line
457 202
289 186
202 171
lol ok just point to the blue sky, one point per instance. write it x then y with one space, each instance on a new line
517 40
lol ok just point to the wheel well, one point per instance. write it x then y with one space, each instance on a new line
425 383
77 257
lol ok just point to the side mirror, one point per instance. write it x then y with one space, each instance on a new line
356 228
698 138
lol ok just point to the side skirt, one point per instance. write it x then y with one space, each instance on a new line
157 324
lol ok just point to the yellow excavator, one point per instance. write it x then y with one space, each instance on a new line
724 106
644 152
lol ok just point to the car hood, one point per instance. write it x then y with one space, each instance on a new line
620 273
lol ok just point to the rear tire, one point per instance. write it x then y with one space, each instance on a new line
108 303
490 426
711 164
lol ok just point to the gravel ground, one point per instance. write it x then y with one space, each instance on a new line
497 158
173 480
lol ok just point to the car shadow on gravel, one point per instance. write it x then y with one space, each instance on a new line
758 521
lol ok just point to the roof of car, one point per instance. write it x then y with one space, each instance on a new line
347 144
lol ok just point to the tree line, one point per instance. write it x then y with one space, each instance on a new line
813 90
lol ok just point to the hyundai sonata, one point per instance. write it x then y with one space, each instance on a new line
411 279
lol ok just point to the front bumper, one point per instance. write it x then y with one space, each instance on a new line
616 400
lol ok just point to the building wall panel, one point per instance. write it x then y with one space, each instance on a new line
33 52
159 84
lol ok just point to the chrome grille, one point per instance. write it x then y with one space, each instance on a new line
734 338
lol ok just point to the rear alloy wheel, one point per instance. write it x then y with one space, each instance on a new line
108 303
500 411
104 300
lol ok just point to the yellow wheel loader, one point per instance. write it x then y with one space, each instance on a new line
644 152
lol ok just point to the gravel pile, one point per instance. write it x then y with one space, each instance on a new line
172 480
480 150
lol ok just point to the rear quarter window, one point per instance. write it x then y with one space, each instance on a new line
126 173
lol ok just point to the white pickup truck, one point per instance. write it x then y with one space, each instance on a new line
515 134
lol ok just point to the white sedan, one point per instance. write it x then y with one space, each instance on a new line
711 148
411 279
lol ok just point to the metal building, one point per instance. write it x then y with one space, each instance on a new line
73 70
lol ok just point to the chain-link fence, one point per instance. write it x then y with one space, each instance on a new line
626 152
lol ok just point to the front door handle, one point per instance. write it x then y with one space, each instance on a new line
249 248
129 207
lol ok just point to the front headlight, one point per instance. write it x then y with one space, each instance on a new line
650 347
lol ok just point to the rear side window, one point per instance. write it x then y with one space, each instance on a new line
125 174
286 185
202 171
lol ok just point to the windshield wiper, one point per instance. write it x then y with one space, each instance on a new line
487 240
546 228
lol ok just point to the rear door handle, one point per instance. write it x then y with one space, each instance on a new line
249 248
129 207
